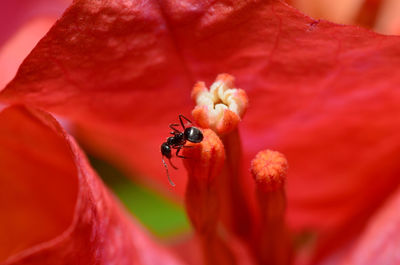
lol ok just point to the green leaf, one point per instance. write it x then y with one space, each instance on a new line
162 216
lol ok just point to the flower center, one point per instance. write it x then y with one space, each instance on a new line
220 108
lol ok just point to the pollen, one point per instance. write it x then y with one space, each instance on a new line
269 169
221 107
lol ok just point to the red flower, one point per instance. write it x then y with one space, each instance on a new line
322 94
54 208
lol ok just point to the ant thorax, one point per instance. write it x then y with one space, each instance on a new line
177 140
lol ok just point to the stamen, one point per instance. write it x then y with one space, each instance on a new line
206 158
204 165
269 169
235 212
220 108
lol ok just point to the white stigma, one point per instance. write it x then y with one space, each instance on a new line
219 98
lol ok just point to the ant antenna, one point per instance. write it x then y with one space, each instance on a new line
166 168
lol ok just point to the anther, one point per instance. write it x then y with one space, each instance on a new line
220 108
269 169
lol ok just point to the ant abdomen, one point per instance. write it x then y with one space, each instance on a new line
193 134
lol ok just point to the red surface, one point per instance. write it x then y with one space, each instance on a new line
14 14
201 197
22 24
379 243
54 209
324 95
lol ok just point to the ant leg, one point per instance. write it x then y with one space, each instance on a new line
180 119
166 168
172 126
177 152
181 116
172 165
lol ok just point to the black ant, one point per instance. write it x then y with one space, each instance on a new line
178 140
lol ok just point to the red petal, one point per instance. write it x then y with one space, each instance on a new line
379 244
17 48
54 208
341 11
322 94
14 14
24 23
388 21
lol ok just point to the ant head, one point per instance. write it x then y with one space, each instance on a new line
166 150
193 134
